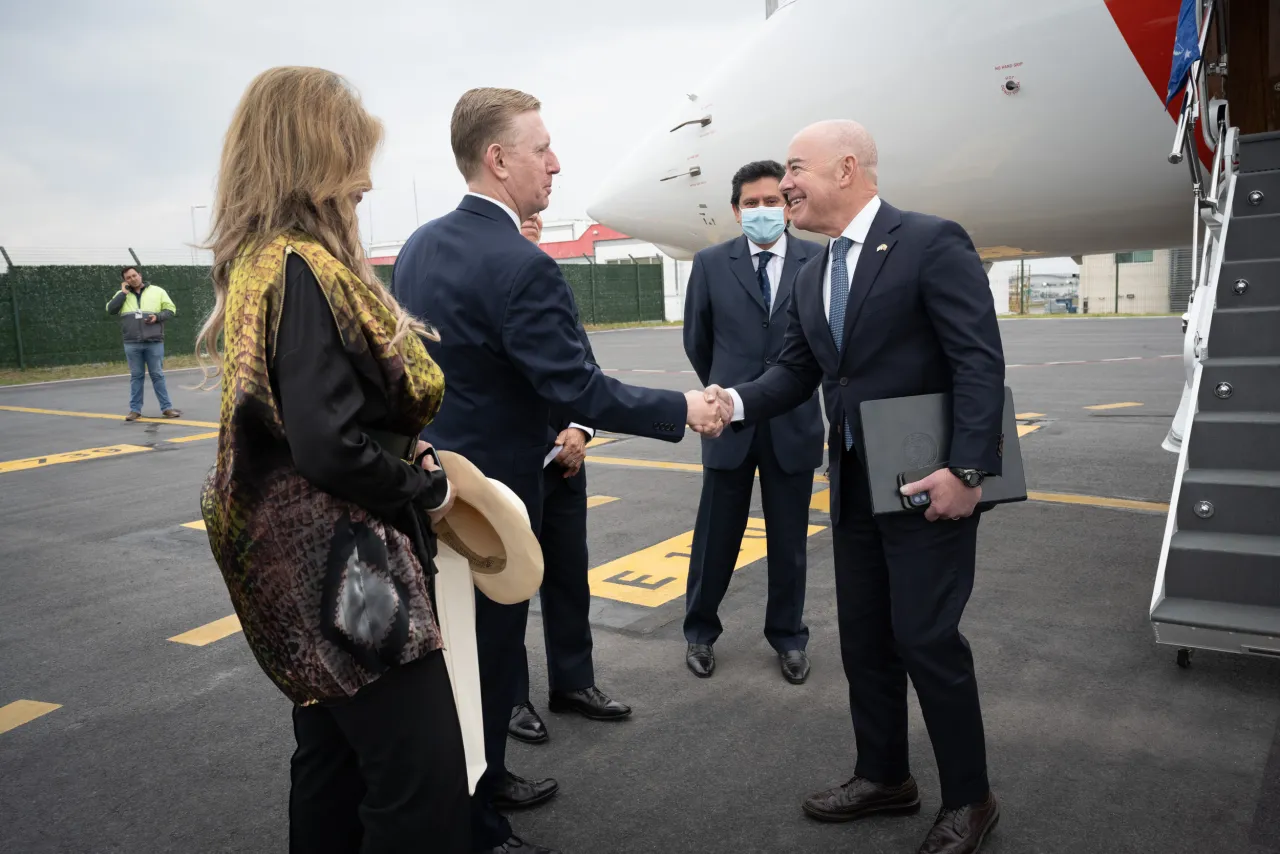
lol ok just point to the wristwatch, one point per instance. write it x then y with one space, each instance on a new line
969 477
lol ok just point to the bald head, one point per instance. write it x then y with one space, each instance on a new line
831 175
845 138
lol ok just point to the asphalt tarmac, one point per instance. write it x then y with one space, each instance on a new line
116 738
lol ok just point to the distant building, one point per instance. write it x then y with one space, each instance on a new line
1150 281
1041 293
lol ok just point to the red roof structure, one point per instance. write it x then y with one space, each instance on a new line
560 250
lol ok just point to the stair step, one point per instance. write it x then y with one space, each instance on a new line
1245 331
1261 284
1242 501
1231 568
1259 152
1254 381
1235 440
1221 616
1253 237
1266 183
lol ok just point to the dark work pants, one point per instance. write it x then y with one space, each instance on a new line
384 771
717 539
566 593
901 587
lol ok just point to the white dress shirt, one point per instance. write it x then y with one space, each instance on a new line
774 269
591 434
856 231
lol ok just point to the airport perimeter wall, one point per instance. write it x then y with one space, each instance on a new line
56 314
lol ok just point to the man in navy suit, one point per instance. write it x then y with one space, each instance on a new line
897 306
510 351
735 317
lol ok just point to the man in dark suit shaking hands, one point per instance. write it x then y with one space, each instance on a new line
735 316
897 306
510 351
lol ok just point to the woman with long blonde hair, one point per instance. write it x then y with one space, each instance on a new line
321 505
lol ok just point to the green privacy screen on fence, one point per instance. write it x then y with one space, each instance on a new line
56 315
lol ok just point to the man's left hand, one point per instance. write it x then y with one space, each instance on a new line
574 444
948 497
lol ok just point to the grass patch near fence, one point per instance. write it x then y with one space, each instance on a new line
13 376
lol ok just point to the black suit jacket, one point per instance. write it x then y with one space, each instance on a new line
920 320
731 337
510 349
562 416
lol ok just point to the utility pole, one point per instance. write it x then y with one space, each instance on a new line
194 239
416 218
1116 258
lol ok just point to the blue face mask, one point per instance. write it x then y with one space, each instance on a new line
762 225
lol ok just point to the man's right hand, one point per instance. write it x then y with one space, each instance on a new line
703 414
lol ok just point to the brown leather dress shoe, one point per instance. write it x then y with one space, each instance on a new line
860 797
962 831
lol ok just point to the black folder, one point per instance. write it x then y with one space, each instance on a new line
904 439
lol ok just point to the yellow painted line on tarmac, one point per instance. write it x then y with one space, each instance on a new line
197 525
210 632
646 464
21 712
599 500
1024 429
602 440
821 501
71 457
1114 405
1098 501
658 574
1030 415
177 421
198 437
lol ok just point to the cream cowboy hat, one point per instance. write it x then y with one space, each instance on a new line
489 526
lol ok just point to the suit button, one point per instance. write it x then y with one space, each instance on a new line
768 361
844 381
765 324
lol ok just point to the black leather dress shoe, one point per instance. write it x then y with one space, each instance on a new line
860 797
701 659
516 845
517 793
590 703
795 665
526 726
963 830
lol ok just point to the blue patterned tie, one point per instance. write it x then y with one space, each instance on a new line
839 299
762 276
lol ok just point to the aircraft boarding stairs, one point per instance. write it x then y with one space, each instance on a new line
1218 583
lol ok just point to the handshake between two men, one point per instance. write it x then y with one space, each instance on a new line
709 410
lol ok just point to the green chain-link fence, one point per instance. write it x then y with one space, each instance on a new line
56 315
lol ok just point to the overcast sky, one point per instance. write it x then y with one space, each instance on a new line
113 113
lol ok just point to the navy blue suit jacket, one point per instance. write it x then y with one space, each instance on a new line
510 349
920 320
731 338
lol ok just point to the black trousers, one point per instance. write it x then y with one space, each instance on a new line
499 644
384 771
717 539
901 587
566 593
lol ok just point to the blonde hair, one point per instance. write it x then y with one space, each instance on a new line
482 117
299 150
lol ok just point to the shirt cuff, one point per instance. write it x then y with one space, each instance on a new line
591 434
738 412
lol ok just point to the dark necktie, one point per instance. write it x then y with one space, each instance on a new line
762 276
839 299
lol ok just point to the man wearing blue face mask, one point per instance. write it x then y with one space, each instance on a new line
735 318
